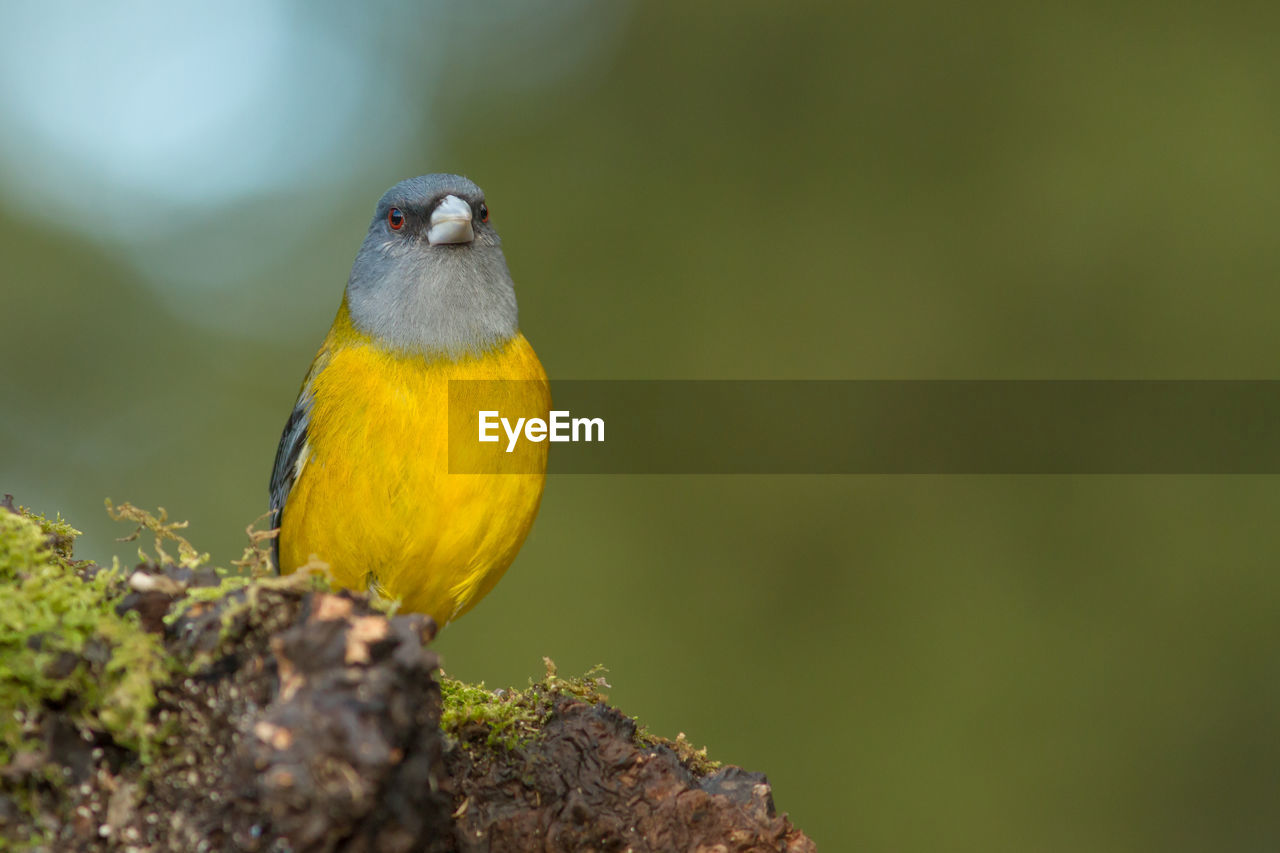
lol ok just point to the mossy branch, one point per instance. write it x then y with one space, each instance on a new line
183 705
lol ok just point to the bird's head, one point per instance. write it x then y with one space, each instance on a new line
430 277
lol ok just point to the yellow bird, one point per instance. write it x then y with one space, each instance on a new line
361 478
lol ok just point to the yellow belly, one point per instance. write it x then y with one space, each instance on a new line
374 498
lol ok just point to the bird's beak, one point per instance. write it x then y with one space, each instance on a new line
450 222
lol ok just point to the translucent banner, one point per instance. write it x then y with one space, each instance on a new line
867 427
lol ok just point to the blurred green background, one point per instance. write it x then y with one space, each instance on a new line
746 190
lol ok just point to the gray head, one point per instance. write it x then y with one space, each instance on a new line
430 277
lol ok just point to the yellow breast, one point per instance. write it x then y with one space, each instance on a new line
374 498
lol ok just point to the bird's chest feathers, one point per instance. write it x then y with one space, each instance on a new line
380 421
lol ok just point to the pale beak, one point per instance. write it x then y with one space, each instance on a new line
450 222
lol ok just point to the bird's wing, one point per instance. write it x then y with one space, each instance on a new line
291 454
285 471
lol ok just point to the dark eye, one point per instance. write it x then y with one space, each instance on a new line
484 212
395 218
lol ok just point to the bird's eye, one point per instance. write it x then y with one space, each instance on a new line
395 218
484 212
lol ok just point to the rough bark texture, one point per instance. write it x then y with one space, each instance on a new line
301 720
585 784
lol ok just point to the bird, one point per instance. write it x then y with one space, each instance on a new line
361 480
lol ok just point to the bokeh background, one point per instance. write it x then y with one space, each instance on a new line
748 190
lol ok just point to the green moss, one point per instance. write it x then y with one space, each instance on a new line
695 759
508 718
586 686
200 596
62 644
237 599
505 718
163 530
